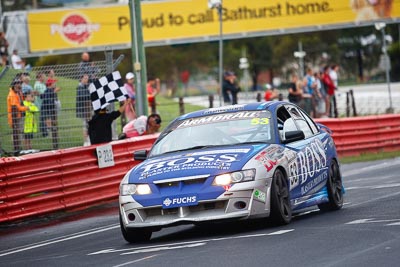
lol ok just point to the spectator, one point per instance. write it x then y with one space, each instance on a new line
330 90
30 122
142 126
153 89
51 75
334 74
295 94
26 87
3 49
229 86
83 106
16 109
100 125
270 93
87 67
51 78
300 88
38 89
129 112
49 110
319 97
16 61
308 92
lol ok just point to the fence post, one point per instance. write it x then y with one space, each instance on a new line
211 100
347 104
181 106
353 103
258 97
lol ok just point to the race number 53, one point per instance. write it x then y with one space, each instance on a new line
105 156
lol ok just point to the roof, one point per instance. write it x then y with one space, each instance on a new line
270 105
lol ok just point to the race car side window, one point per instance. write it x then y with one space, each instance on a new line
300 120
310 122
282 116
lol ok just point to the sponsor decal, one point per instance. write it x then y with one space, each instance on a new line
214 161
313 183
259 195
221 151
75 28
220 117
179 201
270 156
224 109
266 161
311 161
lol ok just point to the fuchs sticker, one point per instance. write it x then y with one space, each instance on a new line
179 201
75 28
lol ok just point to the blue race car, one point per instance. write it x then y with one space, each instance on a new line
235 162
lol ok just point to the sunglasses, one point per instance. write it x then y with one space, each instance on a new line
157 120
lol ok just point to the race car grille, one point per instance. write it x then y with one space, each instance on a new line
193 210
181 181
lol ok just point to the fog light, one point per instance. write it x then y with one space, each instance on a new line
240 205
131 217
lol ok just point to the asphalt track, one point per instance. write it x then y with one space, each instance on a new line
366 232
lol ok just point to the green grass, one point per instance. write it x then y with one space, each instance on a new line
370 157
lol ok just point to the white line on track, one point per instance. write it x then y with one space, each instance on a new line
164 248
177 245
58 240
130 262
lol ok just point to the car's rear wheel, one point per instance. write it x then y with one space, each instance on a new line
281 211
335 189
134 235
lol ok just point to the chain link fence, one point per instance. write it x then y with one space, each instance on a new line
68 129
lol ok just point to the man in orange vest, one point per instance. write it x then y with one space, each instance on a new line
16 109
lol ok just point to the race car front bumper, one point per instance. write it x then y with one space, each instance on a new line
235 205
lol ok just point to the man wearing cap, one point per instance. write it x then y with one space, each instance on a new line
129 111
229 86
16 109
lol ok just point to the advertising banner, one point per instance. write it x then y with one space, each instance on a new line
176 21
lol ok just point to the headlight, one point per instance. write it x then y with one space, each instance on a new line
138 189
234 177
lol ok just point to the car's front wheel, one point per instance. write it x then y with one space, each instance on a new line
281 211
134 235
335 189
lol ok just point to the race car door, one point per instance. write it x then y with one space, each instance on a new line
311 156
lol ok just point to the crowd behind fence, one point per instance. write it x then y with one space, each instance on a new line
70 127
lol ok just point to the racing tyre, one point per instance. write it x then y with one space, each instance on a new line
134 235
335 189
281 211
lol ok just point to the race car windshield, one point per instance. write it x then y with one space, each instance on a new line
217 130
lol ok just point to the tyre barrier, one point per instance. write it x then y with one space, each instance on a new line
67 179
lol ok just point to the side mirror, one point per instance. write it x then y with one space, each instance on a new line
293 136
140 155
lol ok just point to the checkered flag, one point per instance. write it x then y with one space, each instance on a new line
107 89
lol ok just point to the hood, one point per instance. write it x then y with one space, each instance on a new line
210 161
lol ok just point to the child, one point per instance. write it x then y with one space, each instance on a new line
30 123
